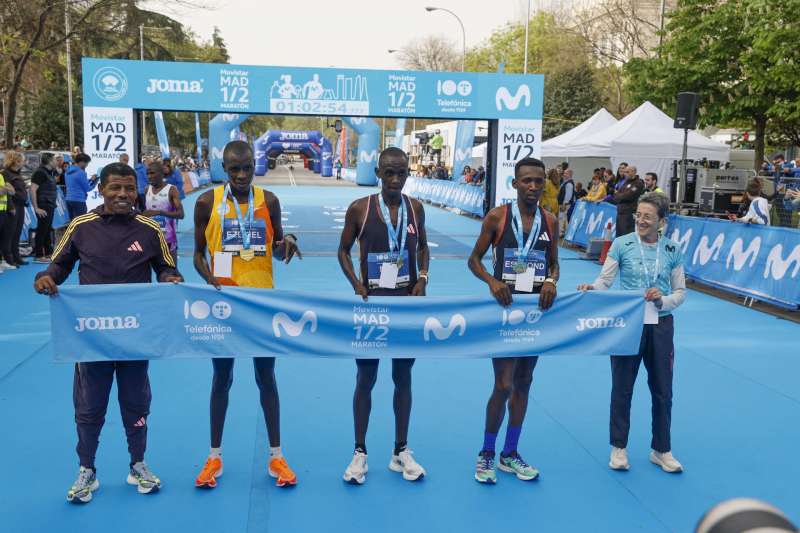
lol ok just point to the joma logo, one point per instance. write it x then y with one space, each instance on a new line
92 323
174 86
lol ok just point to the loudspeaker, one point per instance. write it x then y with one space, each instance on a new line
686 113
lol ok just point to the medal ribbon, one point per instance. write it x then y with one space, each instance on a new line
244 229
647 276
524 247
395 232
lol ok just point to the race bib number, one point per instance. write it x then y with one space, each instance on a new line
535 263
232 236
374 267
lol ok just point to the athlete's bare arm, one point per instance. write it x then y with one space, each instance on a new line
352 227
489 231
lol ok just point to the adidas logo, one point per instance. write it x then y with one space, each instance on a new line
544 237
135 247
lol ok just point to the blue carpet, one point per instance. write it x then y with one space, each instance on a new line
735 422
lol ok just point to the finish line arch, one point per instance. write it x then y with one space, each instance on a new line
114 91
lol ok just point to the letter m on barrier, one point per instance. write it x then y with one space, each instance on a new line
777 266
704 253
739 256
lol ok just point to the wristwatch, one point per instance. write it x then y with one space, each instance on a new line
551 280
423 275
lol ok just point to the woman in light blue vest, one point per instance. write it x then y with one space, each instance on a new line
653 265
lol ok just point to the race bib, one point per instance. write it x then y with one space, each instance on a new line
375 266
535 262
232 236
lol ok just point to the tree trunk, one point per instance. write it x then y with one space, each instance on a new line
761 131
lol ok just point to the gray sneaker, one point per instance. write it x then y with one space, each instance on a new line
81 490
141 476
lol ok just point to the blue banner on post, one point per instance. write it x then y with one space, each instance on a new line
747 259
161 132
115 322
198 138
465 138
589 221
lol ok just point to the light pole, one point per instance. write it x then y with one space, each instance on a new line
527 25
67 31
142 27
463 33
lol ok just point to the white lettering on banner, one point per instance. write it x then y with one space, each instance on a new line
463 154
739 256
368 157
703 253
516 139
432 325
503 98
175 86
682 240
595 219
518 316
107 134
216 153
293 328
600 323
106 322
777 265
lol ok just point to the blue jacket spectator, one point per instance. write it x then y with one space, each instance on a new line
78 186
141 178
174 177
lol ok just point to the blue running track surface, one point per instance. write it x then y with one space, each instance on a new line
736 421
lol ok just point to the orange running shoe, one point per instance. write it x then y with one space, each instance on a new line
280 470
209 474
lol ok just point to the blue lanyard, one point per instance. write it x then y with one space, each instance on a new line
516 225
244 229
647 276
394 232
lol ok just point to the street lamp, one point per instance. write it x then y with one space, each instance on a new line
142 27
463 32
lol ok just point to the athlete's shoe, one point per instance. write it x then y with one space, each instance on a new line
404 462
666 461
146 482
281 472
484 470
209 474
619 459
515 464
7 266
356 472
81 490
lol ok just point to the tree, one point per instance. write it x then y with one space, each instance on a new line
569 93
433 52
739 55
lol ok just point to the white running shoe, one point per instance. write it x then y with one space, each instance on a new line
404 462
7 266
619 459
666 461
356 472
81 491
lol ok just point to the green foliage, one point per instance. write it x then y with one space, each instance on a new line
741 56
569 94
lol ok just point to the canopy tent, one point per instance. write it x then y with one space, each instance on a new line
558 146
645 138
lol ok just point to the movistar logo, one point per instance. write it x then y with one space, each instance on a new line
432 325
777 266
293 328
600 323
368 157
463 154
503 98
175 86
739 256
93 323
682 240
704 253
595 219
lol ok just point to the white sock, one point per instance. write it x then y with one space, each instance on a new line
215 453
275 452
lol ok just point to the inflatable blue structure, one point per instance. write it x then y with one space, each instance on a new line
275 142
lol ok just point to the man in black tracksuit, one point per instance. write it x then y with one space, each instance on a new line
627 199
114 244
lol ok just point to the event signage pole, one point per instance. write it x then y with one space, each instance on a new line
682 182
67 30
527 26
141 58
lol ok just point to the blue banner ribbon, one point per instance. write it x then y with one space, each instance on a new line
161 321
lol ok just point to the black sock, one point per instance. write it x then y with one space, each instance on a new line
399 447
361 447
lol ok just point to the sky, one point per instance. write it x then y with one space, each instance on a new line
340 33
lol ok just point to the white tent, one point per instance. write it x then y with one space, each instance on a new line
645 138
559 146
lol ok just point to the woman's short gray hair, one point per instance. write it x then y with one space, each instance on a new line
657 200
